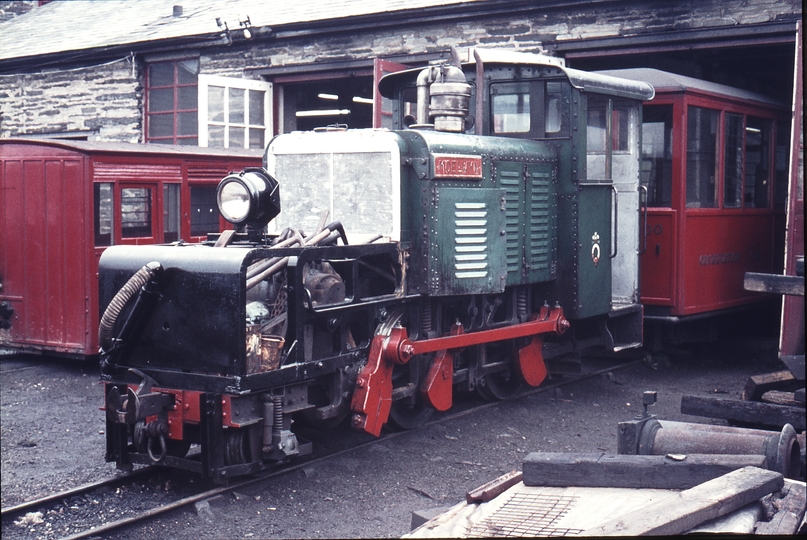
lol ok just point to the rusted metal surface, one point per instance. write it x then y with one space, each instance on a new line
781 449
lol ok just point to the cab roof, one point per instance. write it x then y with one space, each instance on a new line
585 81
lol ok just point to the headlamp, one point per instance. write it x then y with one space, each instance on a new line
250 198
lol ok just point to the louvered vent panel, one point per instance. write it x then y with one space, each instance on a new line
471 253
540 223
511 182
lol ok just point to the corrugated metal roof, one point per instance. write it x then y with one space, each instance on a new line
77 25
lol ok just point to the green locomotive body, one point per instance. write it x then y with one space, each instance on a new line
492 231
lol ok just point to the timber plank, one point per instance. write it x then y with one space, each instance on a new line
774 283
752 412
759 384
780 398
557 469
693 506
494 488
790 502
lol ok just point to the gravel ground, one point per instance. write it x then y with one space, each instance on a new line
52 439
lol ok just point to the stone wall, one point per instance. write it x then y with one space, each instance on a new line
106 100
103 102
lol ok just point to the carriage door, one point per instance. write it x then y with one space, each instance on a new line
612 160
136 217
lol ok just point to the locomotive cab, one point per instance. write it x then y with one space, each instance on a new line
446 254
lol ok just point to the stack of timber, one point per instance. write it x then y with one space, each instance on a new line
599 495
770 401
669 478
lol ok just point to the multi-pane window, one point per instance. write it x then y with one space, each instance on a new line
103 214
171 212
733 161
135 212
702 155
529 109
233 113
757 162
172 102
204 210
657 154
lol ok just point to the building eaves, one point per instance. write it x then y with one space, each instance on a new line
65 31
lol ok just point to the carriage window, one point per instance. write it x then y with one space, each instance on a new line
657 126
409 99
781 164
103 218
554 108
701 157
595 129
204 211
170 212
511 113
620 130
135 213
757 162
733 162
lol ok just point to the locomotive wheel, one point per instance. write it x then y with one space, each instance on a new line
407 413
503 384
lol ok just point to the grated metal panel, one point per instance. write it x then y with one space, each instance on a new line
540 221
511 181
527 515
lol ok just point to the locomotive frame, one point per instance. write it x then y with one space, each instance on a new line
503 249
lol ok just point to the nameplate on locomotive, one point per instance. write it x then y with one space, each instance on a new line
457 166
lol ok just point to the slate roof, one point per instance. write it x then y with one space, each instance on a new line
81 25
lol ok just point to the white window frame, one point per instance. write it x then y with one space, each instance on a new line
205 81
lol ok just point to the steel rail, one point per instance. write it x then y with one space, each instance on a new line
110 526
12 510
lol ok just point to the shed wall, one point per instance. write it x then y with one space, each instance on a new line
105 101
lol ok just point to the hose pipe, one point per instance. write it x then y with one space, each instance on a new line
120 300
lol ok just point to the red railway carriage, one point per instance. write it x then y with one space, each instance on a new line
714 166
63 202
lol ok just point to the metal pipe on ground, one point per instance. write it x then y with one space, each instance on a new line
781 449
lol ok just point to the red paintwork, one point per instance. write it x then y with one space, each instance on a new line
186 410
531 363
791 341
372 399
48 260
695 258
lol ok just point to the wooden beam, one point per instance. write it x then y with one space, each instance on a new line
774 283
631 471
757 385
781 398
790 501
751 412
693 506
493 488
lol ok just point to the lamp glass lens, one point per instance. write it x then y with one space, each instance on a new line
234 202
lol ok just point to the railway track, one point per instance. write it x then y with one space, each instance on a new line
90 511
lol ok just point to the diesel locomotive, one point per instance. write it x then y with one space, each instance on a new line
493 230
